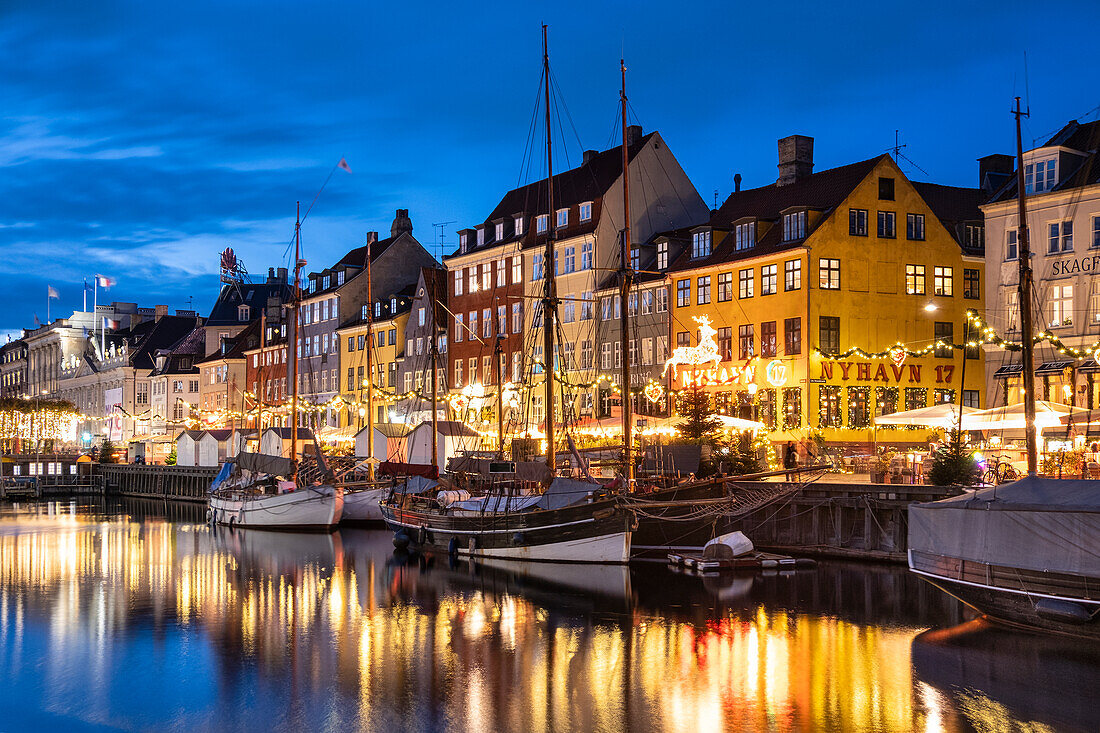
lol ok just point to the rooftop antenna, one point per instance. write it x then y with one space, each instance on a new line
716 198
898 145
442 233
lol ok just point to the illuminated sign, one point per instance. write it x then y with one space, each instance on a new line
776 373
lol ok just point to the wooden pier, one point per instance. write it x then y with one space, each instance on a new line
864 521
184 483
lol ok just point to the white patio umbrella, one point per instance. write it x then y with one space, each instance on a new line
737 423
944 415
1011 417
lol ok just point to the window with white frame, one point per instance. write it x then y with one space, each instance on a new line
517 366
458 372
660 296
702 290
499 231
542 221
473 278
519 225
562 218
725 287
635 258
588 306
486 276
463 242
744 235
1060 237
517 317
794 226
1061 305
1012 249
586 255
1040 176
458 327
647 302
502 273
914 279
769 279
792 275
517 269
662 253
586 211
536 266
683 293
480 236
458 281
745 283
1096 231
700 244
887 224
570 259
914 226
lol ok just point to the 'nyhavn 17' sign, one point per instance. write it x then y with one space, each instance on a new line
866 372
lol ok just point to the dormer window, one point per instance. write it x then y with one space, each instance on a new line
662 255
365 313
744 235
324 282
480 236
378 309
463 241
636 258
393 306
340 278
499 231
542 222
794 226
586 211
243 313
562 218
1040 176
700 244
519 225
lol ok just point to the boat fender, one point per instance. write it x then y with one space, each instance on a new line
519 538
422 536
1066 612
209 516
231 520
401 540
452 547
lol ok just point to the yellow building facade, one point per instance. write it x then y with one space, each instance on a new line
386 337
809 285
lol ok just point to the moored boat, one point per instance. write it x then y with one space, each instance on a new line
251 491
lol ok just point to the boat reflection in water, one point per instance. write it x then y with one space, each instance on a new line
150 624
999 675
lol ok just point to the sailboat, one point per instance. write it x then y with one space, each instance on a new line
268 492
572 521
1025 553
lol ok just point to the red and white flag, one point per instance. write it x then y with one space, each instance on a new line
344 164
104 281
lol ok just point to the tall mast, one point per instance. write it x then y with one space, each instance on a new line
497 353
296 297
260 390
370 374
433 353
1024 290
550 295
625 274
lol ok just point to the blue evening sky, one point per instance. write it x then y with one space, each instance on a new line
138 139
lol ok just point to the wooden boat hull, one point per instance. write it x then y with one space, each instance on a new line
314 508
599 532
361 505
1050 602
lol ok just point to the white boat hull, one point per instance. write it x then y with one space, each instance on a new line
362 506
311 507
608 548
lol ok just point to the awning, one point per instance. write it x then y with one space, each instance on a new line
1008 370
1089 366
944 414
1051 368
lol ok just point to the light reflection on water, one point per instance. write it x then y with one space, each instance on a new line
132 620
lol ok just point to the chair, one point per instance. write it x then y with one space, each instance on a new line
1093 469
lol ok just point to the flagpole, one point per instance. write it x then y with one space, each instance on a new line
47 304
84 295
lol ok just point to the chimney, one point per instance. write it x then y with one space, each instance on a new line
588 156
633 134
796 159
736 182
282 274
401 223
160 311
994 170
372 237
271 274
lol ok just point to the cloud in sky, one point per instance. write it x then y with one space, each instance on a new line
140 139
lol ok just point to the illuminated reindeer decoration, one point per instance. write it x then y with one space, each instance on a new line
705 352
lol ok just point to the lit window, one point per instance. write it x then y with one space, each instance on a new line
725 287
943 281
700 244
745 235
1061 305
792 275
769 277
683 293
914 279
828 271
745 283
794 226
702 290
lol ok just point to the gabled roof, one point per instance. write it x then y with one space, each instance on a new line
247 339
148 337
824 190
224 312
1075 136
954 206
354 259
587 182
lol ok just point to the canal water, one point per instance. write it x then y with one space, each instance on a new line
138 616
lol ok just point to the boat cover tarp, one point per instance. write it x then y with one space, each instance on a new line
536 471
563 492
419 484
1035 524
263 463
223 474
497 503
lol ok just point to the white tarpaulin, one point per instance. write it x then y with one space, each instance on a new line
1047 415
945 415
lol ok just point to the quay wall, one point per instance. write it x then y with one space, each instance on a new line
865 521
